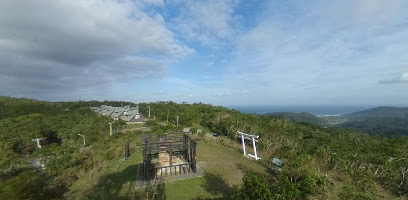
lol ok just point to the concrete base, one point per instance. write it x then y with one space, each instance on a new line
250 156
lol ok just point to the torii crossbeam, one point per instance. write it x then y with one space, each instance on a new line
254 139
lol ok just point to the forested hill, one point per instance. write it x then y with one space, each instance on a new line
379 112
319 163
14 107
384 121
299 117
380 126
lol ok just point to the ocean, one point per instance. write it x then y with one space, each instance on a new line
316 110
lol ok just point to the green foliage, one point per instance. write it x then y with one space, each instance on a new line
299 117
59 124
255 187
284 186
31 185
351 192
380 126
193 130
310 152
379 112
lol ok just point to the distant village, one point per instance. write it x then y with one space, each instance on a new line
128 114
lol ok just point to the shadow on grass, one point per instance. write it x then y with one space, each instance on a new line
215 185
270 169
244 169
110 185
155 191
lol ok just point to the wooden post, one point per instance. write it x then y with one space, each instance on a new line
194 157
171 156
145 158
127 151
144 163
185 146
191 155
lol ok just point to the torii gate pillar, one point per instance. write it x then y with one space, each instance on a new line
243 144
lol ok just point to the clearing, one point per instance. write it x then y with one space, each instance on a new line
223 166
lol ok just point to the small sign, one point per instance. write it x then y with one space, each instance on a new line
277 162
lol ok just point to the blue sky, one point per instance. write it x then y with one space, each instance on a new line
348 52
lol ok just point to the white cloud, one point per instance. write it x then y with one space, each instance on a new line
81 44
403 78
210 63
206 21
305 45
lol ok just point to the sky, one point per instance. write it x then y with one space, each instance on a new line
232 52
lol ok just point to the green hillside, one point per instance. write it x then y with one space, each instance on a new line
380 126
379 112
299 117
382 121
319 163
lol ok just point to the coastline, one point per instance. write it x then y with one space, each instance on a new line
320 111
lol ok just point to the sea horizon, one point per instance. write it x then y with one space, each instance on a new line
315 110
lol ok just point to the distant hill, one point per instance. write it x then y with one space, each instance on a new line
384 120
299 117
14 107
379 112
379 126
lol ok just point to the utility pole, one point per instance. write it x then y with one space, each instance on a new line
177 117
167 116
110 128
127 155
149 111
83 137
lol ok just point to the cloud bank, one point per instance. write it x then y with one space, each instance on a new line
51 47
231 52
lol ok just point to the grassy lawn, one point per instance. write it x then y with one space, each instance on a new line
224 167
136 127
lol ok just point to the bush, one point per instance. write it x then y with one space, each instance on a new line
255 187
285 186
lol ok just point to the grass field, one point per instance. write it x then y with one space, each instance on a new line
224 168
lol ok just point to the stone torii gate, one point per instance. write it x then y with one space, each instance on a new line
254 139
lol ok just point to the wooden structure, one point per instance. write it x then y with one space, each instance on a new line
167 155
254 139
